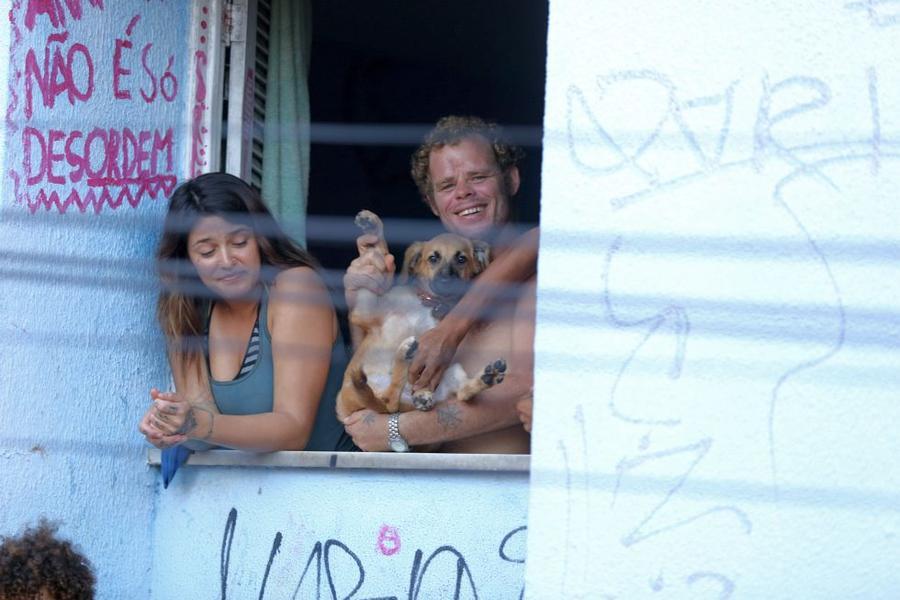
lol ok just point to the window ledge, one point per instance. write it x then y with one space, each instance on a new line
356 460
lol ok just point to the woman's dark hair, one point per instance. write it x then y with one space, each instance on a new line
183 298
37 562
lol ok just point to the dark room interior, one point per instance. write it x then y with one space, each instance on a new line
381 75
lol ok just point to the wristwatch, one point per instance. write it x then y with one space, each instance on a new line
398 444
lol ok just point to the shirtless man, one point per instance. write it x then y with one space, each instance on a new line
467 175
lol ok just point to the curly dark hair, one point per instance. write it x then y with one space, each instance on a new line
37 564
450 130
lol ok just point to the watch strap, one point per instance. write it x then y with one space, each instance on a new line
396 441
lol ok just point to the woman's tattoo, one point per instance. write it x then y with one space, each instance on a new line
212 419
190 423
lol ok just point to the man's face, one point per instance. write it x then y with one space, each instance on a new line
469 192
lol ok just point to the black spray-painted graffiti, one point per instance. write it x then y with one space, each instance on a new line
600 147
340 583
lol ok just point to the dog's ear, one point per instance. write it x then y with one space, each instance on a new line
411 259
482 252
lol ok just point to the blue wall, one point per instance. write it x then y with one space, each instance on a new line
80 348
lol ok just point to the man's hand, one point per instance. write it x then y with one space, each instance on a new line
525 407
369 430
372 270
436 350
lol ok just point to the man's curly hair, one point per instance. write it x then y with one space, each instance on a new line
37 562
451 130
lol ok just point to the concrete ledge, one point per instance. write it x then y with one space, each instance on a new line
356 460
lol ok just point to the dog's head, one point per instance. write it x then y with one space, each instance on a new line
442 266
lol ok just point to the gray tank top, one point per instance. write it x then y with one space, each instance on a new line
254 392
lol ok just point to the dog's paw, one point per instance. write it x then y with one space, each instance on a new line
494 372
408 348
423 400
369 222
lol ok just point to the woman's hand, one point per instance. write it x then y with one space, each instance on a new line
168 421
369 430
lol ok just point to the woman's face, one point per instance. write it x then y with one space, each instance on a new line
226 256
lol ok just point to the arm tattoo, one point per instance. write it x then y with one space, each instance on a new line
448 416
206 403
369 419
190 423
212 420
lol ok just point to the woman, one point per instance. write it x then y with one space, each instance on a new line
253 339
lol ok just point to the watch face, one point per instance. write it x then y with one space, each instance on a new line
399 446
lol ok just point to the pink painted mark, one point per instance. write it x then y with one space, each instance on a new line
19 196
13 82
160 186
200 107
388 540
56 11
131 24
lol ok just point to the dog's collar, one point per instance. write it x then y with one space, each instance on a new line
439 308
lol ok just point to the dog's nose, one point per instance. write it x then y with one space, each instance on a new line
447 283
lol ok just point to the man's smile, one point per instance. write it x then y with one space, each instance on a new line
472 210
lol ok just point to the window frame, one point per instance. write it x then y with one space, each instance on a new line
224 26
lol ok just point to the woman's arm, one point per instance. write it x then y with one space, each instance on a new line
303 327
438 346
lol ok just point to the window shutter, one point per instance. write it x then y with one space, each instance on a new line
246 72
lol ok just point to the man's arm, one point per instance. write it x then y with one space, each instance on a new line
448 421
502 278
372 270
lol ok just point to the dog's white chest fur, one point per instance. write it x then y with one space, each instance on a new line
405 317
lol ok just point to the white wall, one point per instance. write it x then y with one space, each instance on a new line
402 534
717 365
79 343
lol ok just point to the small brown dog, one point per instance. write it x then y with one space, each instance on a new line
376 377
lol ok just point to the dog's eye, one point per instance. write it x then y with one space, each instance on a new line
461 259
434 258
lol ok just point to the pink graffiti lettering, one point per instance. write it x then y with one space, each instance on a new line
388 540
119 70
148 97
102 157
167 83
55 11
57 77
